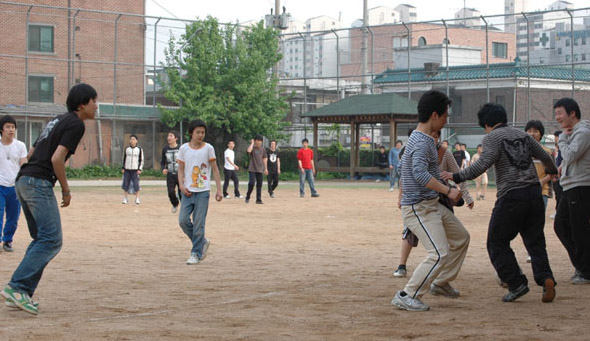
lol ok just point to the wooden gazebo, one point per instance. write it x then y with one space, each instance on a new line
385 108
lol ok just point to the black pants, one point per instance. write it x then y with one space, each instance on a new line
255 178
273 182
172 184
558 193
572 226
519 211
233 175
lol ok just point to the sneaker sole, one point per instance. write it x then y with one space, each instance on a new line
443 294
548 291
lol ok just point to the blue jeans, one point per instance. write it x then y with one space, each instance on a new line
42 214
393 177
306 175
196 205
9 202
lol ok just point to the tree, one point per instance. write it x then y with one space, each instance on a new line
220 74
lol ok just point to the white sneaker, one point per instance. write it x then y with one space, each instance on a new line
391 189
137 202
400 272
552 216
193 259
174 209
240 197
227 197
205 248
528 259
124 201
408 303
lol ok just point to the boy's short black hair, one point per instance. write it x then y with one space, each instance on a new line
535 124
432 101
305 140
399 141
133 135
196 123
80 94
173 132
463 145
445 141
491 114
479 145
457 143
6 119
271 141
258 138
557 133
569 105
381 147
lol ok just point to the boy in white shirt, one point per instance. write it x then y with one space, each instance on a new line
196 161
13 153
230 171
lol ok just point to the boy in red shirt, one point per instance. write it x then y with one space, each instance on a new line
306 169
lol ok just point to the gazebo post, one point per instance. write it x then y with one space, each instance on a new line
315 143
352 149
357 152
392 132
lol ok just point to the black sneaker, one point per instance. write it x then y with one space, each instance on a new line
272 195
259 202
247 200
511 296
315 195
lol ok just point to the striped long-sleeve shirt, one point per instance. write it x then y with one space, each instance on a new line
511 152
419 164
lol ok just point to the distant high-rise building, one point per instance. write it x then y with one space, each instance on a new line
512 7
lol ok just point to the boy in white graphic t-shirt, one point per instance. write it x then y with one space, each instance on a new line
196 161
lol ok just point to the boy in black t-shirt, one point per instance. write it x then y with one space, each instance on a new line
274 168
459 156
34 187
170 169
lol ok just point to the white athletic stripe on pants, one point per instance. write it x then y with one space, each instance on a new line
445 239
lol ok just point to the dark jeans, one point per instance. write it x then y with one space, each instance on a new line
558 193
172 184
273 182
255 178
233 175
519 211
42 214
572 226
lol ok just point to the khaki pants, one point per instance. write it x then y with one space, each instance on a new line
445 239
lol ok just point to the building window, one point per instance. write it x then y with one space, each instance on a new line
567 57
567 42
41 38
583 56
559 50
500 50
40 89
583 40
421 41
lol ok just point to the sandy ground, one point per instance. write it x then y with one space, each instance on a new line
291 269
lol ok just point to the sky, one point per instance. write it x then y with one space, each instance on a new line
348 10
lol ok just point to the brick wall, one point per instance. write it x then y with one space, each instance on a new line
94 42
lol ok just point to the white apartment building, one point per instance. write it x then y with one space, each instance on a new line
407 13
468 17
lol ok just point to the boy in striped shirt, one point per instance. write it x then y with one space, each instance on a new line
442 234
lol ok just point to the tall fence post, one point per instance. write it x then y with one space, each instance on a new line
409 58
487 59
337 63
572 49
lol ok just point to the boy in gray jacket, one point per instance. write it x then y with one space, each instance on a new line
572 220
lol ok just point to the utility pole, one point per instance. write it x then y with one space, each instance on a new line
364 87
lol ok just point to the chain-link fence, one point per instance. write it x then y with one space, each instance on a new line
524 61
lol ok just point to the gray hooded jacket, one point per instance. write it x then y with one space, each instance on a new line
575 150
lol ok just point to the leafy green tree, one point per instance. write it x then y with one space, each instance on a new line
221 74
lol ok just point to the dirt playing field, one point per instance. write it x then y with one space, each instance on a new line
291 269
